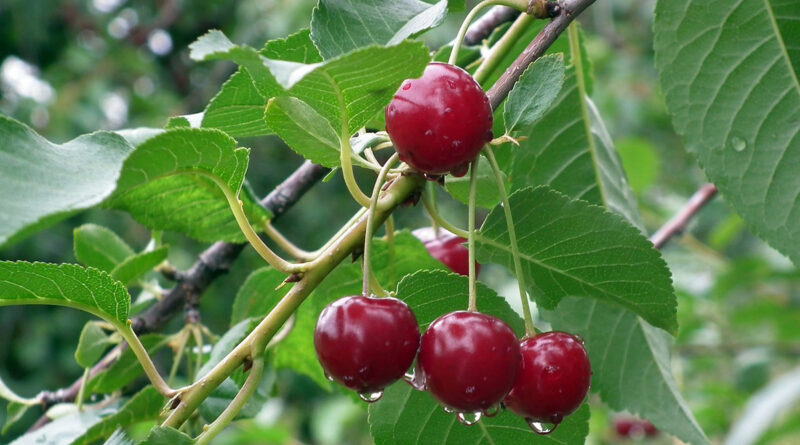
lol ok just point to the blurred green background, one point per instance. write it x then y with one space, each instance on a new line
72 67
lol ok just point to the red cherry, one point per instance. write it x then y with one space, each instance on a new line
366 343
468 360
553 378
440 121
448 248
634 428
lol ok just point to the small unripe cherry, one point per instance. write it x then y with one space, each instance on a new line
553 379
439 122
366 343
468 360
448 248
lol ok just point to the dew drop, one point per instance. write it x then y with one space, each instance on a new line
468 419
407 86
448 110
541 428
469 390
428 132
348 379
491 411
451 83
416 379
328 376
448 410
580 339
365 372
370 397
738 144
455 143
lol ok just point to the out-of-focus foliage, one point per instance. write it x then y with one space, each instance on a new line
71 67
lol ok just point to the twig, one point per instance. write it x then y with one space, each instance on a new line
678 222
483 27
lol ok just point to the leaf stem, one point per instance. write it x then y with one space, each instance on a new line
82 392
373 204
427 202
521 5
287 246
238 402
144 359
512 237
472 306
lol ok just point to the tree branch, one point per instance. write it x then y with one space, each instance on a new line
678 223
483 27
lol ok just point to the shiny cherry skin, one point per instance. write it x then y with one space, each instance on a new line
468 360
440 121
366 343
448 248
634 428
553 378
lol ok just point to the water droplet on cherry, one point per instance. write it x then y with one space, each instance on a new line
541 428
491 411
370 397
468 419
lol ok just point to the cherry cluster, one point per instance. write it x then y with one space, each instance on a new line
471 363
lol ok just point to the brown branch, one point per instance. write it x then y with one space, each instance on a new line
677 223
483 27
569 9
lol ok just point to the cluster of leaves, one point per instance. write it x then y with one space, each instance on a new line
590 268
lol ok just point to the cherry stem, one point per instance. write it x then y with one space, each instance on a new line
521 5
373 204
144 359
512 237
430 207
285 244
472 306
345 154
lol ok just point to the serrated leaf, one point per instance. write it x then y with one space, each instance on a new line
166 435
338 27
238 109
629 358
126 368
570 150
433 293
730 77
64 430
404 416
97 246
258 295
144 405
351 89
139 264
190 202
486 196
297 350
92 343
534 93
70 285
304 130
60 179
571 248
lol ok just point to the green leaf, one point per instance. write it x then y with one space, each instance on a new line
570 150
223 395
433 293
730 77
296 352
238 109
70 285
191 202
486 196
97 246
144 405
92 343
629 358
534 93
640 162
404 416
338 27
44 182
14 412
139 264
304 130
166 435
353 88
126 368
227 343
259 294
64 430
572 248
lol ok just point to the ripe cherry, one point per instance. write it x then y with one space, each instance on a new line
631 427
366 343
553 378
440 121
468 360
448 248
